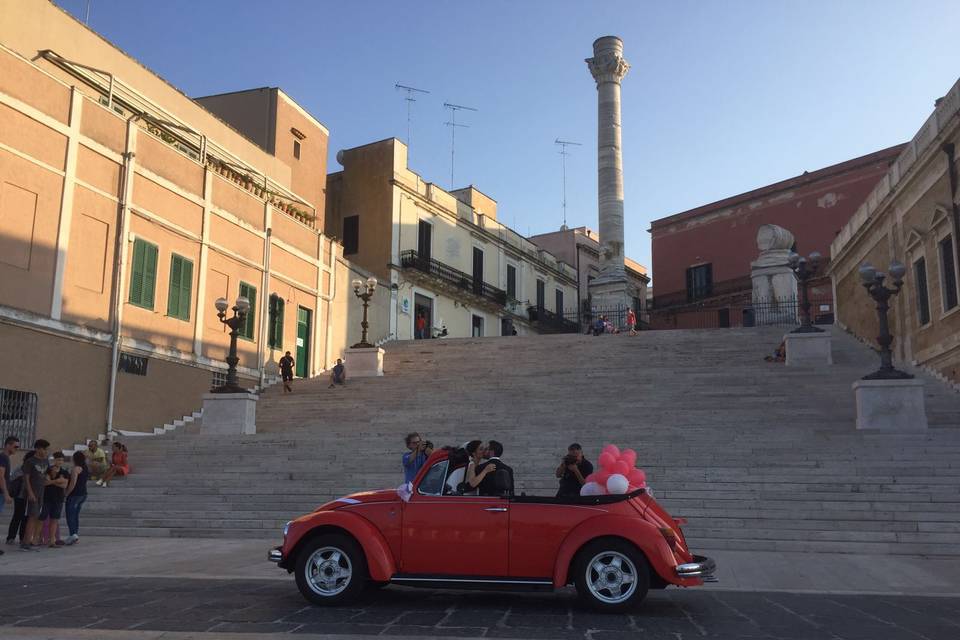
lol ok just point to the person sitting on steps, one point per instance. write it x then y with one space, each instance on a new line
338 375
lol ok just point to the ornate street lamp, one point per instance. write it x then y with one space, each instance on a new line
365 295
873 283
240 310
803 270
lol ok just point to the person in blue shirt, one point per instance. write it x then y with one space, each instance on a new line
419 451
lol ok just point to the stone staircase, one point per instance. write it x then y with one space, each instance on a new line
755 455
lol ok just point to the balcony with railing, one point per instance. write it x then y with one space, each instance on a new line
549 322
453 277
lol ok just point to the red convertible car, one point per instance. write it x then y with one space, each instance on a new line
613 548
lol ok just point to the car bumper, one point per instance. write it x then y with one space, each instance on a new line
702 567
275 555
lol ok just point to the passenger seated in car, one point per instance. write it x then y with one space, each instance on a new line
464 479
500 481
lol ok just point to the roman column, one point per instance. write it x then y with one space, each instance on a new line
608 68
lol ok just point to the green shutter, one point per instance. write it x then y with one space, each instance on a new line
250 293
181 285
149 275
186 289
136 278
143 279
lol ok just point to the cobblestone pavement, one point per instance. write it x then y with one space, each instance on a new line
269 606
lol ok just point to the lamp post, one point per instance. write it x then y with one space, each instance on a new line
240 310
364 291
803 270
873 283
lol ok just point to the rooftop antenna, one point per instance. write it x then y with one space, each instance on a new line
410 100
452 123
563 163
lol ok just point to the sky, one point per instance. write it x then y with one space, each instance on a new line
721 98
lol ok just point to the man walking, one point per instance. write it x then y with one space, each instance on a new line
34 481
10 446
286 372
632 322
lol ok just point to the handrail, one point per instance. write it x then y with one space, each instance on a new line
410 259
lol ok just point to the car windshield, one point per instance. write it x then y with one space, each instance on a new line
432 483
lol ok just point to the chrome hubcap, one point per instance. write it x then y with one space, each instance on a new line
611 577
328 571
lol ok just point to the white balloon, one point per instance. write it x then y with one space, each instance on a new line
591 489
617 483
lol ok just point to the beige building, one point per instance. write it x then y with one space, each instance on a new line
911 216
444 254
580 247
126 210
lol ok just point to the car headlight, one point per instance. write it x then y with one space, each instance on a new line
286 529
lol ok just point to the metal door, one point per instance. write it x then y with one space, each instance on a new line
303 341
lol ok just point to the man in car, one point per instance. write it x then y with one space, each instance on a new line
573 470
500 481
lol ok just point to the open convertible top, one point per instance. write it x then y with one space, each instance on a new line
578 500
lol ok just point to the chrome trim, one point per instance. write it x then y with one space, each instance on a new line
703 568
500 509
478 580
275 555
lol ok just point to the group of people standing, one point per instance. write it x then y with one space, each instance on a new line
43 488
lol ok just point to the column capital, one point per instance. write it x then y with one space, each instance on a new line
608 67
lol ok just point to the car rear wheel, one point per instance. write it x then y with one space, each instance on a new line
331 570
611 575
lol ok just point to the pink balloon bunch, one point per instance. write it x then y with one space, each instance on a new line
617 474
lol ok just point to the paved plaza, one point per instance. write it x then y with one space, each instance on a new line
270 606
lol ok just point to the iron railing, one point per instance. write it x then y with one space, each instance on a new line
549 322
770 312
412 260
713 290
18 416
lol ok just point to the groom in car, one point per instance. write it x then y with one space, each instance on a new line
500 481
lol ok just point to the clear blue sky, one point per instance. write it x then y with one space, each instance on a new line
723 97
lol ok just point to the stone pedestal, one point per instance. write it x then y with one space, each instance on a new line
230 413
890 404
774 285
808 349
608 294
364 362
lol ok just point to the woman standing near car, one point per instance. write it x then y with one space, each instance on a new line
76 495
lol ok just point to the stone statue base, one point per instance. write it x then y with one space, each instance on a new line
808 349
229 413
610 294
895 405
364 362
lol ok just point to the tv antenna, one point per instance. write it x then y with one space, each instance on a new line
410 100
452 123
563 163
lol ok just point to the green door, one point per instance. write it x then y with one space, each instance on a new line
303 342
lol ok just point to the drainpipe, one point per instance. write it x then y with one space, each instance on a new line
329 300
948 148
265 298
121 263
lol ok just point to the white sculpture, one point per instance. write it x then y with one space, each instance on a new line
773 280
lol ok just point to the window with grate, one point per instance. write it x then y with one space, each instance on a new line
136 365
511 282
296 149
923 302
351 235
949 271
18 415
181 286
249 292
275 312
219 379
143 279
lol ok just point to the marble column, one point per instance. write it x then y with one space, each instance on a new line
608 68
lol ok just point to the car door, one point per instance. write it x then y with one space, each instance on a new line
538 526
452 535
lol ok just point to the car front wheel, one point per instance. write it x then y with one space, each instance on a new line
331 570
611 575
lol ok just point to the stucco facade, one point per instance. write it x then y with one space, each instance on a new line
580 247
126 210
721 237
442 253
911 216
